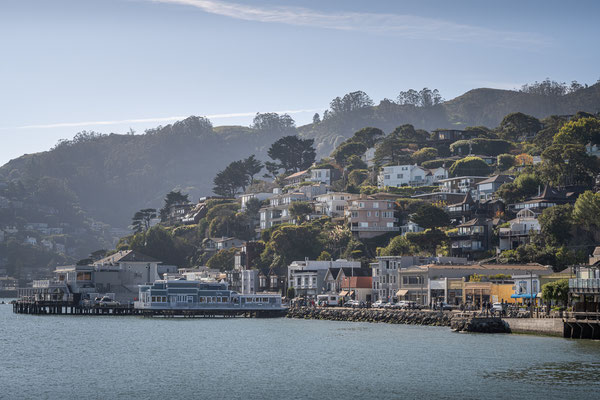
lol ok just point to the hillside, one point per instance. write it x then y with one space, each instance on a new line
112 176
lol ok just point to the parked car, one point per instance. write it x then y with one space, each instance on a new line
107 302
446 307
499 308
380 304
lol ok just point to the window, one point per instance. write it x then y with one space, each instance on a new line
386 177
361 205
400 176
190 299
368 213
377 213
376 205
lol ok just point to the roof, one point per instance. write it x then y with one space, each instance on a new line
497 179
355 271
297 174
489 267
358 282
475 221
125 256
549 193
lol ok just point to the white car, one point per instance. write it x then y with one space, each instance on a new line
379 304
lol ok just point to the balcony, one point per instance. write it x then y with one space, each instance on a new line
591 286
375 228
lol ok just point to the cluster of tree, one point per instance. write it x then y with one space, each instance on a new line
482 146
548 87
422 98
350 102
236 176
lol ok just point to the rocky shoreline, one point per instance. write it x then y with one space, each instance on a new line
456 322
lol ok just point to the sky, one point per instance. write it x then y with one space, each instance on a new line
112 65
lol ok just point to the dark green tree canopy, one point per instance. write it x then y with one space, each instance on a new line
273 122
517 125
141 219
233 178
294 154
368 136
347 149
172 198
469 166
429 216
350 102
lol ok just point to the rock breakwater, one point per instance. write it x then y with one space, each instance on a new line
457 322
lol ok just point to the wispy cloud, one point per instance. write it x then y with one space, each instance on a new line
409 26
147 120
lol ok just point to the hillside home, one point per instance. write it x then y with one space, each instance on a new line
520 230
463 211
402 175
369 157
324 175
461 184
296 178
435 175
333 204
247 196
487 187
472 238
369 217
453 134
550 197
278 210
440 197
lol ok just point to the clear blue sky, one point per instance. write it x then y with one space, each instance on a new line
108 65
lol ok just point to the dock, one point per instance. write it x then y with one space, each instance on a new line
45 307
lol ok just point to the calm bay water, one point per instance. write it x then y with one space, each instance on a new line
66 357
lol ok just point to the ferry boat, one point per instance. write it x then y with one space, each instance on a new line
205 297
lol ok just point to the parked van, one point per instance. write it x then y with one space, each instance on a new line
328 300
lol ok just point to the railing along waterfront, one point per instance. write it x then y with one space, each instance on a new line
590 285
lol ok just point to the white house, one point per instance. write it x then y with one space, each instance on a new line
436 174
369 156
519 231
246 197
30 240
333 204
320 175
402 175
249 281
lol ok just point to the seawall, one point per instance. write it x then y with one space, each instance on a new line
458 322
539 326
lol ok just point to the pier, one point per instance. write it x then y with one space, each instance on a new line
45 307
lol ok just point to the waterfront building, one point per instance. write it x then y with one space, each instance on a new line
414 281
385 282
194 295
308 277
357 288
584 288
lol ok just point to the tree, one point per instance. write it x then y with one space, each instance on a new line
557 291
273 122
579 131
505 162
398 246
425 154
390 149
354 162
556 223
288 243
324 256
488 147
429 216
350 102
347 149
586 212
173 198
408 133
569 164
525 185
233 178
253 207
427 241
252 167
294 154
423 98
469 166
223 260
299 210
368 136
316 118
517 125
357 177
141 219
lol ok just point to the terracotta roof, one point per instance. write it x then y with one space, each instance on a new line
297 174
358 282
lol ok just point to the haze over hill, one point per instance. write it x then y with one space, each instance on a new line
112 176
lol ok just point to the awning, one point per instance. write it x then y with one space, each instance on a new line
402 292
524 296
344 293
351 293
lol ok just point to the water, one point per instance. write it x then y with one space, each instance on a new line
50 357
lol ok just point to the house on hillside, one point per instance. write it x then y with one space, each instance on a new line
402 175
519 231
278 211
549 197
472 238
296 178
487 187
324 175
369 217
435 175
463 211
333 204
453 134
